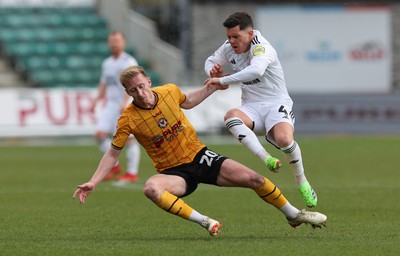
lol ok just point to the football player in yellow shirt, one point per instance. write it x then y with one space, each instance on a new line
156 119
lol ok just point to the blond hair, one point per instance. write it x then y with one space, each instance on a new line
129 73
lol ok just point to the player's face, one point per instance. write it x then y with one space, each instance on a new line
139 89
240 40
116 43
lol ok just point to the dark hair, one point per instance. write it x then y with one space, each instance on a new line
241 19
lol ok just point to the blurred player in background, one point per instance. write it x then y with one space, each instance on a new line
116 100
266 104
157 120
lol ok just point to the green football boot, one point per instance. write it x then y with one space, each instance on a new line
308 194
273 164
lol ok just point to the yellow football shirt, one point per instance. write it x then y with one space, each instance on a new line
164 131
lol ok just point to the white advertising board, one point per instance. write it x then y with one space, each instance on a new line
330 49
63 112
29 112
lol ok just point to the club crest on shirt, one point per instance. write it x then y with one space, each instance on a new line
162 123
258 50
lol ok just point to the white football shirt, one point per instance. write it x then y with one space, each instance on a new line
258 71
110 70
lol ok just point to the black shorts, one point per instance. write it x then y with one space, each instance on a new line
204 168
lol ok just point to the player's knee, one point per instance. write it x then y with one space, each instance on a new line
233 113
253 180
151 190
283 139
256 180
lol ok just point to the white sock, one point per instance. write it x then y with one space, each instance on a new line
195 216
292 154
133 157
246 136
289 210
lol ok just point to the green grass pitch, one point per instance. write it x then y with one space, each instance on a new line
357 180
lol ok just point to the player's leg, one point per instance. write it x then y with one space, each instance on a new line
132 148
282 134
240 126
105 127
234 174
165 191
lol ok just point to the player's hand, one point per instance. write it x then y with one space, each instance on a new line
83 191
214 83
216 71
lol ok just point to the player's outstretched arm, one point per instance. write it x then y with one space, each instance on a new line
106 164
195 97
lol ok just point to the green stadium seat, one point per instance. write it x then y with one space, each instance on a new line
88 48
13 35
78 20
94 61
14 21
20 49
54 47
42 78
34 63
46 34
21 21
66 10
53 20
65 76
75 62
6 11
8 34
72 62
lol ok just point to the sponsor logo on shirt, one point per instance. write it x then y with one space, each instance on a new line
252 82
158 140
173 131
169 134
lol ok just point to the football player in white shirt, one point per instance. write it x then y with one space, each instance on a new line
116 99
266 105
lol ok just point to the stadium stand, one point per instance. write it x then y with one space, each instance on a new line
8 77
57 47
